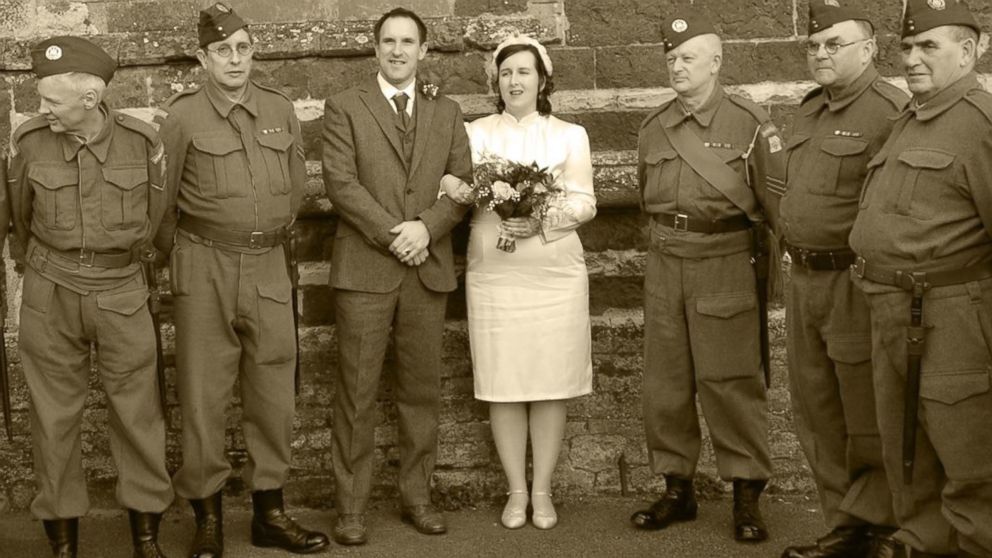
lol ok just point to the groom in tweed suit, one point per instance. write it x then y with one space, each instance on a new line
386 146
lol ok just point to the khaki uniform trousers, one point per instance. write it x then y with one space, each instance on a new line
234 321
58 327
830 376
949 504
701 336
415 315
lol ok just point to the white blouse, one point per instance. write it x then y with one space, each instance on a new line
559 146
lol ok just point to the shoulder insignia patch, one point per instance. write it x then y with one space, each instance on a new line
770 132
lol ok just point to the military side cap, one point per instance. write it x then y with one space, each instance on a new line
683 26
924 15
824 14
59 55
217 23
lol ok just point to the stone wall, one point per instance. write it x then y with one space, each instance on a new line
610 73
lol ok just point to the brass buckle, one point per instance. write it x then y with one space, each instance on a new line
681 222
255 239
86 257
858 268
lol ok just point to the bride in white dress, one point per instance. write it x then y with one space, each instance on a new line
528 311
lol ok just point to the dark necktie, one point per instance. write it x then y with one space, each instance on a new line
403 124
404 119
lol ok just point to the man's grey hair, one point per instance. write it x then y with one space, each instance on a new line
81 82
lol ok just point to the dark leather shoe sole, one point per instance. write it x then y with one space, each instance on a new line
263 542
647 520
422 528
749 534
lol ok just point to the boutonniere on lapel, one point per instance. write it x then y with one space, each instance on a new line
429 90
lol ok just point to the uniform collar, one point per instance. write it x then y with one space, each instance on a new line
223 105
99 146
944 99
704 114
850 93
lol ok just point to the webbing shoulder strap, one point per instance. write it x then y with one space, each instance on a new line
713 169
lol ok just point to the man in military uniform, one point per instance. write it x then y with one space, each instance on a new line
923 236
701 157
838 128
235 182
86 199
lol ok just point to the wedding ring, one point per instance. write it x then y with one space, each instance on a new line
406 252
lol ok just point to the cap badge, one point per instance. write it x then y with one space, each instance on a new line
53 52
833 3
937 4
679 26
222 8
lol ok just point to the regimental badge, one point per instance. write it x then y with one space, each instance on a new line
53 52
679 26
937 4
833 3
770 132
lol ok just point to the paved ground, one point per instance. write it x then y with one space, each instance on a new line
591 528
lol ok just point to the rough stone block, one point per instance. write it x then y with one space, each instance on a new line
497 7
155 16
765 61
572 68
631 66
372 9
612 131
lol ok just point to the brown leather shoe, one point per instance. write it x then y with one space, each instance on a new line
425 519
678 503
349 529
749 525
847 541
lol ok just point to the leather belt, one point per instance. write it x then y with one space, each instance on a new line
833 260
682 222
907 280
238 239
86 258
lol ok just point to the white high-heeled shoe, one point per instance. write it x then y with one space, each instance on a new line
544 516
515 510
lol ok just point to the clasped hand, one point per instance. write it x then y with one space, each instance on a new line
521 227
411 242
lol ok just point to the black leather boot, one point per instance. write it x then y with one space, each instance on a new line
144 534
208 542
678 503
883 545
846 541
749 526
270 526
63 536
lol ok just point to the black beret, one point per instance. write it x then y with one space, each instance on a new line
924 15
824 14
683 26
217 23
60 55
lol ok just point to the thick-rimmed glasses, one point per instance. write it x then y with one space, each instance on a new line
813 47
225 51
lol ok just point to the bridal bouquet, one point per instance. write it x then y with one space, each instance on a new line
512 189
